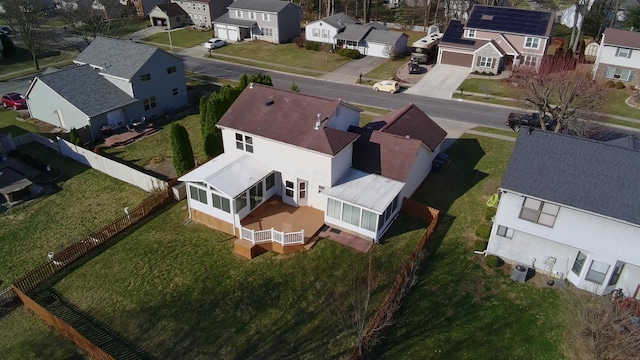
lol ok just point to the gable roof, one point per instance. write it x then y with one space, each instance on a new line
410 121
510 20
354 32
261 5
287 117
384 36
626 38
338 21
580 173
84 88
453 34
385 154
121 58
171 9
629 141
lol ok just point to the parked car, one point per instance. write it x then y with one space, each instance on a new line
414 67
214 43
391 86
14 100
516 120
5 29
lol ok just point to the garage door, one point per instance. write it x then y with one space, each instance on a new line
233 33
454 58
378 50
221 32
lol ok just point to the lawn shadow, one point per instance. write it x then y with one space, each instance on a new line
13 130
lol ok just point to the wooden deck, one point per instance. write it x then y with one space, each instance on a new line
282 217
124 136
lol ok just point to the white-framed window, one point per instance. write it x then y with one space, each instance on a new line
289 188
615 276
198 194
315 32
334 208
241 201
591 50
351 214
145 77
244 143
619 73
325 33
352 43
471 33
198 6
266 17
239 14
267 32
578 264
505 232
175 91
171 69
270 181
302 190
597 272
368 220
539 212
530 60
320 188
149 103
531 42
252 15
255 195
486 62
623 52
220 202
204 7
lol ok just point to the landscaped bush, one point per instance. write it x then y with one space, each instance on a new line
74 137
350 53
299 40
489 213
312 45
492 261
97 149
483 231
619 85
480 245
610 83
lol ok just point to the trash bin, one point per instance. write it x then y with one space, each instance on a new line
519 273
437 165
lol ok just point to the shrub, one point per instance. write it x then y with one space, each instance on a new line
312 45
480 245
298 40
295 87
483 231
183 160
489 213
349 53
74 137
97 149
610 83
492 261
619 85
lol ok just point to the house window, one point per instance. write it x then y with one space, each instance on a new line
530 60
579 263
505 232
171 70
244 143
239 143
239 14
188 5
325 33
198 194
145 77
270 181
149 103
175 91
368 220
617 270
220 202
351 214
333 208
320 188
252 15
623 52
204 7
241 201
619 73
302 189
471 33
591 51
265 17
531 43
315 32
539 212
267 32
352 43
486 62
597 272
288 185
255 195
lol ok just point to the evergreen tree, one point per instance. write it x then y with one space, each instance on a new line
183 160
74 137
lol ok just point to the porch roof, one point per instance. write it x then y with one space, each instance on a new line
370 191
230 174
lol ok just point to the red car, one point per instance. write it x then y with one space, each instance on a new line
14 100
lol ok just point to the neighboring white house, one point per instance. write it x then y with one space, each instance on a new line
324 30
309 152
373 39
116 82
573 213
268 20
618 56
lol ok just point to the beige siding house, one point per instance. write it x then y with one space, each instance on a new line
203 12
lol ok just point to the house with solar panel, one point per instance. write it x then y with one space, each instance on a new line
496 38
573 213
294 164
115 83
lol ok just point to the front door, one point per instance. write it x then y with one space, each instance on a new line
255 195
114 118
303 192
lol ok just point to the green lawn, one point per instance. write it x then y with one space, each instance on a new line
491 130
21 62
387 70
9 124
617 106
184 38
459 309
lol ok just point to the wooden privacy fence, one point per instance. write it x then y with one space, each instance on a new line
392 302
60 260
64 328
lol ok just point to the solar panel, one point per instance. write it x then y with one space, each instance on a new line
509 20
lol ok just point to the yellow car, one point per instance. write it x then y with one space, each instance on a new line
387 85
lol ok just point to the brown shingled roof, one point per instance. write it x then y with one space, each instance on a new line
385 154
288 117
413 122
626 38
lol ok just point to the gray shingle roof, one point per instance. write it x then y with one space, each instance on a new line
260 5
354 32
87 90
225 19
120 58
580 173
340 20
384 36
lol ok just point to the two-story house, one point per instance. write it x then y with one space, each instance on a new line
309 153
274 21
572 211
618 56
495 38
144 7
116 82
203 12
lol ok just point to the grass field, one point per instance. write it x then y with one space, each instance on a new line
184 38
21 62
9 124
387 70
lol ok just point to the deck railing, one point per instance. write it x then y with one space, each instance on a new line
272 235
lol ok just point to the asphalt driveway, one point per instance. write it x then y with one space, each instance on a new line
440 81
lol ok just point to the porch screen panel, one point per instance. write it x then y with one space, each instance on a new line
351 214
368 220
333 208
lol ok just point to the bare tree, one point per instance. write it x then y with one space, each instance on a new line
27 17
87 21
391 52
561 91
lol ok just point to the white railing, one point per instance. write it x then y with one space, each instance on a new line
271 235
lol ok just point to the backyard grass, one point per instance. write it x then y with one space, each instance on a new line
21 62
268 65
81 202
459 309
491 130
9 124
184 38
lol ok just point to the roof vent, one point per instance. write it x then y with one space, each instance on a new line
407 136
487 17
250 85
269 102
318 122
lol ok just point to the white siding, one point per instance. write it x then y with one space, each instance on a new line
377 49
42 103
319 26
607 55
419 171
